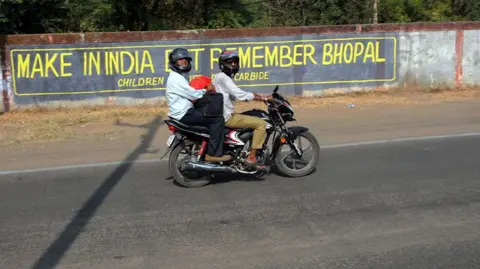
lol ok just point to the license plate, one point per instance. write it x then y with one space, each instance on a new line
170 140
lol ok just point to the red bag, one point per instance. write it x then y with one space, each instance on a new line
200 83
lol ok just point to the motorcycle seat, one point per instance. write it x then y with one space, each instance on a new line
204 128
197 128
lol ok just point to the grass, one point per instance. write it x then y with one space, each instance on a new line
62 123
41 124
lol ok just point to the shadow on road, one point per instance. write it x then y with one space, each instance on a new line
223 179
52 256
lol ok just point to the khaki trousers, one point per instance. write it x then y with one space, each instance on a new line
257 124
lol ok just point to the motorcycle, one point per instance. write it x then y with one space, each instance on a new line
192 171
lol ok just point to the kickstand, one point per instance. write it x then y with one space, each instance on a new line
268 169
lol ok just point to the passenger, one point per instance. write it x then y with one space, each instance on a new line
223 82
180 96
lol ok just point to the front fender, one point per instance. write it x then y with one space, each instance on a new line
295 130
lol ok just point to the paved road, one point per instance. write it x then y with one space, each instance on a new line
398 205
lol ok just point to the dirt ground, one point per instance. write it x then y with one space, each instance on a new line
39 138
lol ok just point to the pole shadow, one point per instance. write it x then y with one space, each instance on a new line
55 252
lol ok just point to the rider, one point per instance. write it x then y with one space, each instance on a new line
223 82
180 96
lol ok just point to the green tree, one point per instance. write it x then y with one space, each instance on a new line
43 16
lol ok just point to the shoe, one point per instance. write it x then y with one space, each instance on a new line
255 165
224 158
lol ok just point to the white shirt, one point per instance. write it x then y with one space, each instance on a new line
179 95
226 86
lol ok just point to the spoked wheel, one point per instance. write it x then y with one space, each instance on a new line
188 179
289 164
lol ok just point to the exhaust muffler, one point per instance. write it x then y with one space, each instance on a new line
206 167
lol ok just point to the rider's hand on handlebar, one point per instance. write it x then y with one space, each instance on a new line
258 97
266 99
270 98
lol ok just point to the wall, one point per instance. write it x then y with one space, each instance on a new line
130 68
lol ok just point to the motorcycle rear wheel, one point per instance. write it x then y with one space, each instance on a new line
185 180
309 168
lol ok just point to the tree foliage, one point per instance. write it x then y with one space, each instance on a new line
52 16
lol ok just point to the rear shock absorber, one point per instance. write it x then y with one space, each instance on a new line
203 147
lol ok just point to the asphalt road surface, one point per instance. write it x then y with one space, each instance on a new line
401 205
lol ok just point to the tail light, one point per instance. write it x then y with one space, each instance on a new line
172 128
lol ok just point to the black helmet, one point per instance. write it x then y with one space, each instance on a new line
178 54
224 60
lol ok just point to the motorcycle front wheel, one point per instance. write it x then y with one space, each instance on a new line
190 179
284 161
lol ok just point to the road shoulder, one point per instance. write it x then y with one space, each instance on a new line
332 125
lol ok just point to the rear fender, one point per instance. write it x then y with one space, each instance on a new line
177 140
